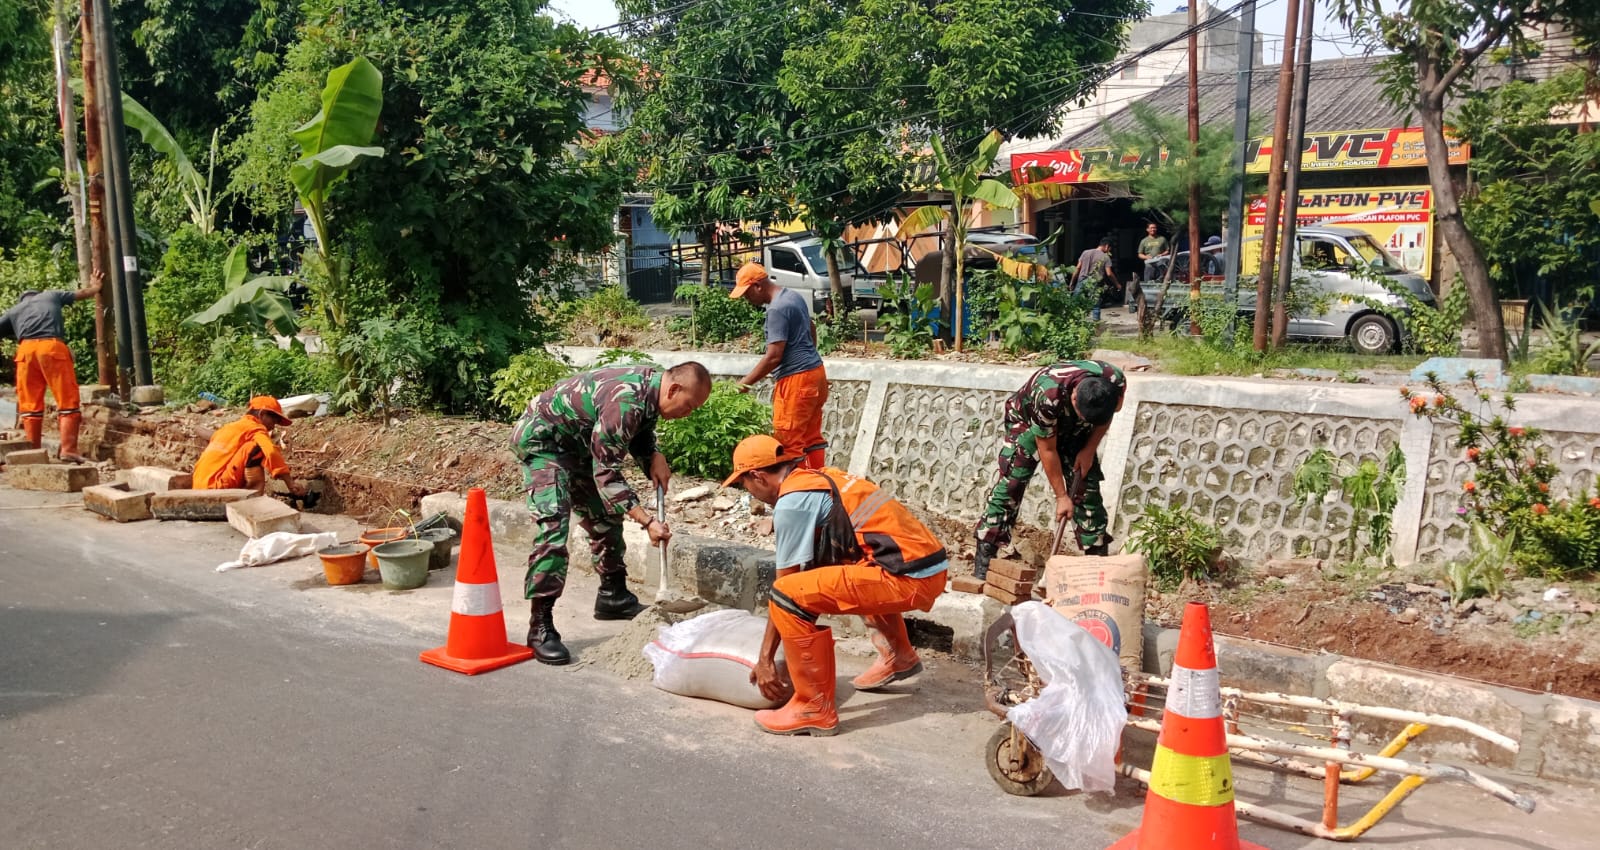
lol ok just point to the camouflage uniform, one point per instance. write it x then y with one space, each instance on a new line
1041 408
572 442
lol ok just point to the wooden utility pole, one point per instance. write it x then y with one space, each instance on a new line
67 113
1234 238
1291 180
94 180
1280 133
1194 154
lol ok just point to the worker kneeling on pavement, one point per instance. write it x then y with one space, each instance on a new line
241 454
844 547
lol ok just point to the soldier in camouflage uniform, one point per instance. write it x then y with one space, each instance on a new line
572 442
1061 412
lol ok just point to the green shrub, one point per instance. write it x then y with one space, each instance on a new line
907 328
190 280
527 375
701 444
240 367
605 315
1177 544
1371 489
622 357
1482 572
1433 330
835 329
714 317
381 356
33 265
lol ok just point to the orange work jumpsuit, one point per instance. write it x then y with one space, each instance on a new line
222 465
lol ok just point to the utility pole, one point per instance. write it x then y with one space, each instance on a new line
105 329
1194 150
117 170
66 110
1280 133
1291 182
1241 137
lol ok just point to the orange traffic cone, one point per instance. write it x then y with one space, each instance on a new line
1190 802
477 641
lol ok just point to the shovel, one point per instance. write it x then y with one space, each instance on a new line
668 599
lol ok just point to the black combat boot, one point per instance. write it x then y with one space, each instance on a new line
543 638
980 559
615 601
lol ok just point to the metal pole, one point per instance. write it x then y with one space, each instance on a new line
1194 186
113 220
1241 137
106 330
1291 181
117 156
1280 133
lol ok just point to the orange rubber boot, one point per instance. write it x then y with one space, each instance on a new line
70 424
811 710
896 659
33 429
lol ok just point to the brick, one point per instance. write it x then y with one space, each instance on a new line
1003 595
1018 570
10 447
156 479
28 456
967 584
52 477
118 502
197 504
1023 589
261 516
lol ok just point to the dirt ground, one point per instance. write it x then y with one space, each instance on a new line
1523 640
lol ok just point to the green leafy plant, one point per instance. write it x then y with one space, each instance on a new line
909 327
242 366
379 358
527 375
622 357
1177 544
1483 572
1564 352
198 191
836 328
701 444
260 305
714 317
1370 488
606 315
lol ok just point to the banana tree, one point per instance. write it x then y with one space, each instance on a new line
330 145
198 191
260 305
968 187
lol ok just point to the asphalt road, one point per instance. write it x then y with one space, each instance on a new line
146 701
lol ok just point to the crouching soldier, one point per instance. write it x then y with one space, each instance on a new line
844 547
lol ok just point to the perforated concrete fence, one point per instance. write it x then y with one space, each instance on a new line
1227 449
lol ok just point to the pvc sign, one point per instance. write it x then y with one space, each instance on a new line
1399 217
1336 151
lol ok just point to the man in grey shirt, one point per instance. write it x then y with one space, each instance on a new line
792 359
44 361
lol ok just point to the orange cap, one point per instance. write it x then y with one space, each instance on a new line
749 275
268 404
756 452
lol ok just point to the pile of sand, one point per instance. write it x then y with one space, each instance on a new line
623 655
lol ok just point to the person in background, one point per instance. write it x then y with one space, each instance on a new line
792 359
1094 273
44 361
1151 246
241 454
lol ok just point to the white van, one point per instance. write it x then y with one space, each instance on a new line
799 264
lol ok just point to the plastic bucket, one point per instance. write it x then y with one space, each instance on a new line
443 540
403 564
344 564
372 538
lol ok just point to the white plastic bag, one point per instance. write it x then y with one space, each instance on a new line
711 656
278 546
1077 720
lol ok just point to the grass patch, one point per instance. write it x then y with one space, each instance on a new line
1183 356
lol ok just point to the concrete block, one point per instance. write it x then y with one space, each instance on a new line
1255 666
206 505
509 522
11 447
148 394
1571 743
155 479
1453 370
960 618
52 477
95 393
118 502
727 574
1368 683
28 456
261 516
1160 646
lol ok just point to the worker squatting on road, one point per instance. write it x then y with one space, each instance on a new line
241 454
792 359
1062 411
43 360
572 442
844 547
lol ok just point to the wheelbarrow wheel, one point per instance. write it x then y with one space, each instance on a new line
1016 764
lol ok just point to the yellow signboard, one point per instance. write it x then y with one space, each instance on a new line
1399 217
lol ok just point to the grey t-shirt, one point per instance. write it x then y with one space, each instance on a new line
789 322
38 316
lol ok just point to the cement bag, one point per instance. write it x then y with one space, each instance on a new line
1104 595
711 657
277 546
1077 720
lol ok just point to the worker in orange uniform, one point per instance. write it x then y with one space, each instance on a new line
844 547
246 444
43 360
792 360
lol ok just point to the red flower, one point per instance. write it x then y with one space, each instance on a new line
1516 432
1470 486
1595 503
1541 510
1543 487
1438 401
1472 454
1405 392
1419 404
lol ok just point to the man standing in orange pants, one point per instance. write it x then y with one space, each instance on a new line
43 360
243 445
792 359
844 547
